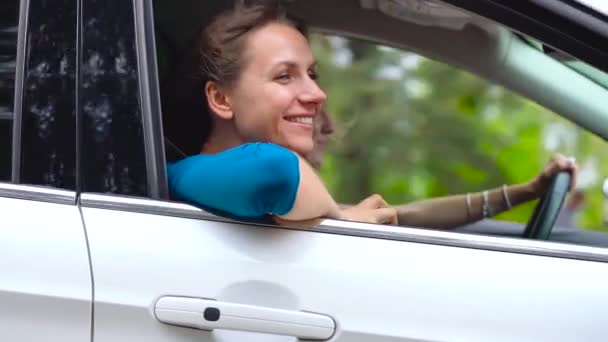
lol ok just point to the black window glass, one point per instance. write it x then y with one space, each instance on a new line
112 144
48 125
9 18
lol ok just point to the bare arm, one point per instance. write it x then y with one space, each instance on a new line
312 198
313 202
451 211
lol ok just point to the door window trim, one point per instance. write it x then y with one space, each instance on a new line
150 100
18 97
357 229
37 193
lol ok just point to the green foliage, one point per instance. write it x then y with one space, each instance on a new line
411 128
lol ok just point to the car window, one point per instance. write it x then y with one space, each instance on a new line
9 18
112 148
47 121
411 128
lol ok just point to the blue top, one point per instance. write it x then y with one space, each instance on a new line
248 181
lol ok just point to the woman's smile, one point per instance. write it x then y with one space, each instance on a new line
305 121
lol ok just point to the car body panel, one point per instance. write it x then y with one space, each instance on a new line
45 288
374 288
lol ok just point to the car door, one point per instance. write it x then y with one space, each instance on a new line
163 268
46 288
375 283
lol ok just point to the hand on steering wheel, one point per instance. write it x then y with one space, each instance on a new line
553 184
545 214
558 163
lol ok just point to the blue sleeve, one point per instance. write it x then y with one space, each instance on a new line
251 180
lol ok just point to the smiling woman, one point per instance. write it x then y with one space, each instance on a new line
258 77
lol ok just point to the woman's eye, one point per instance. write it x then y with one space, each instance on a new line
313 75
283 77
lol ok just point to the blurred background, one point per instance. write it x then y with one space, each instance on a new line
410 128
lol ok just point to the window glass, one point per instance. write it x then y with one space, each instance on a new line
410 128
9 18
48 125
113 154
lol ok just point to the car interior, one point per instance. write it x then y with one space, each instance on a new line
484 48
477 45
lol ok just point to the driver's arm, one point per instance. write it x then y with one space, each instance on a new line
452 211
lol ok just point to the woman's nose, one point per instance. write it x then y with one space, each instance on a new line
313 93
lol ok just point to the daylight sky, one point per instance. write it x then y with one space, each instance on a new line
598 5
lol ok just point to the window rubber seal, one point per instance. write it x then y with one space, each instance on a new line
19 84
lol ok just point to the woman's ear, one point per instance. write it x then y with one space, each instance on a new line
218 101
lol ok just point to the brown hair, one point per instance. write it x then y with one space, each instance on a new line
218 56
222 42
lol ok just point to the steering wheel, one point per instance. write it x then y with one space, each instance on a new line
545 214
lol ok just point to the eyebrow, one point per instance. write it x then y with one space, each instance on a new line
291 64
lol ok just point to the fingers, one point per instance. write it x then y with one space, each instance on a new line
382 213
373 202
386 215
560 163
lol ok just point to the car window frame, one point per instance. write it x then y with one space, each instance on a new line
575 29
18 97
150 99
162 205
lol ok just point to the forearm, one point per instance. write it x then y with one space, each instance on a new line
312 198
453 211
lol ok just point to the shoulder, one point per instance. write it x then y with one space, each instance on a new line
245 152
248 181
262 149
256 158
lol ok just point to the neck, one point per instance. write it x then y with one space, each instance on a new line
223 137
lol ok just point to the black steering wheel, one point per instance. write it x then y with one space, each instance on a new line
545 214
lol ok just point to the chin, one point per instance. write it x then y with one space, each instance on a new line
301 147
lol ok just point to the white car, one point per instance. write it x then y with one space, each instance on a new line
92 249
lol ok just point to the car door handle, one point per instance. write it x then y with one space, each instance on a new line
209 314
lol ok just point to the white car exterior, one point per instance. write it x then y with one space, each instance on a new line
45 287
77 265
379 284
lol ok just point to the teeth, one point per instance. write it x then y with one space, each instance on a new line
302 120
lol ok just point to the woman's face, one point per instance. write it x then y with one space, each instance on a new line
276 98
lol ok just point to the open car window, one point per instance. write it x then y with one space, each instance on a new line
410 128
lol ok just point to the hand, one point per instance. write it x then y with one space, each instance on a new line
373 209
558 163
